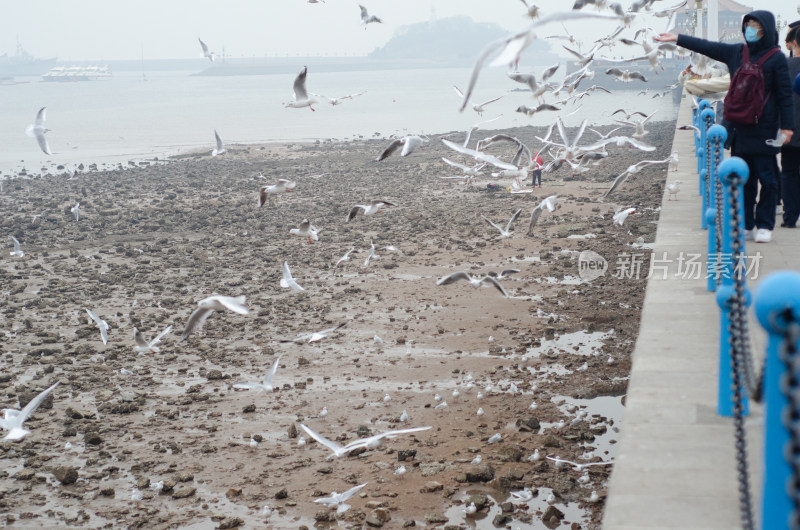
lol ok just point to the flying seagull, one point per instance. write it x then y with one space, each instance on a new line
371 442
366 18
476 282
208 54
38 129
317 335
207 306
13 419
288 281
102 324
375 206
142 346
337 499
409 143
219 149
301 98
266 385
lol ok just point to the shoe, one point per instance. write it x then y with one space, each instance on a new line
763 235
787 225
748 235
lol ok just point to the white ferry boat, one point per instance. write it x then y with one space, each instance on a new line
78 73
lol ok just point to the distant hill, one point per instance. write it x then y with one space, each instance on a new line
455 40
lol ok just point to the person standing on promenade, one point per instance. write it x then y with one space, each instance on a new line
749 141
790 151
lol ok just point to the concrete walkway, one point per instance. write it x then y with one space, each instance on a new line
676 465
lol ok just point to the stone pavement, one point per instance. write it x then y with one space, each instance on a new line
676 467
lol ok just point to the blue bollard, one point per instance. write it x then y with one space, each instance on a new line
728 169
712 257
716 139
699 143
778 292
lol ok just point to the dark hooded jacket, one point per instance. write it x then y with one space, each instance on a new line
779 108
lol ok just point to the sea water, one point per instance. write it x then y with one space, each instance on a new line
128 118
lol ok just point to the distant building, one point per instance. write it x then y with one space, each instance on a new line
730 19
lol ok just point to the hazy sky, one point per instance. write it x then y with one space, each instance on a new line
105 30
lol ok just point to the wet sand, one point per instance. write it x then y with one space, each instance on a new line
154 240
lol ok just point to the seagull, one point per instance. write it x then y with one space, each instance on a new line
409 143
470 509
375 206
530 111
468 172
219 149
631 170
512 46
366 18
142 346
206 53
317 335
629 115
496 437
532 9
283 186
620 216
207 306
102 324
288 281
626 76
550 204
337 499
346 256
371 255
524 495
639 125
340 100
37 130
505 232
17 250
479 156
267 384
576 465
301 98
537 89
475 282
308 230
76 211
13 419
505 273
673 189
371 442
477 107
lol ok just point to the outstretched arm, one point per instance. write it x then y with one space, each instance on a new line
715 50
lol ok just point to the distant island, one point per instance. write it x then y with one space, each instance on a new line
454 40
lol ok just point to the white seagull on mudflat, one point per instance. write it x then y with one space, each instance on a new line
317 335
306 229
375 206
102 324
371 442
288 281
207 306
283 186
17 249
620 216
218 150
475 282
409 143
14 419
337 499
142 346
266 385
37 130
504 232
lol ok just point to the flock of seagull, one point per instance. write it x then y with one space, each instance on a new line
580 156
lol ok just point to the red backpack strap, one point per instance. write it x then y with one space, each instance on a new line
745 54
767 55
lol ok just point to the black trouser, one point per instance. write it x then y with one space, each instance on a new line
790 184
537 174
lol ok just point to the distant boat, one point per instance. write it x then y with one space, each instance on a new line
78 73
23 63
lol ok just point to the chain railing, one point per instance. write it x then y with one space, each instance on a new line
777 306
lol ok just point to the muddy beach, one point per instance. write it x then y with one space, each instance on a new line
163 440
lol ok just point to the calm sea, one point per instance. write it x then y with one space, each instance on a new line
127 118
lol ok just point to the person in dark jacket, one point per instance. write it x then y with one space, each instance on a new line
790 151
749 141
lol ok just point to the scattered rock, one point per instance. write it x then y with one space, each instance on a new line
183 492
66 474
431 486
230 522
480 473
